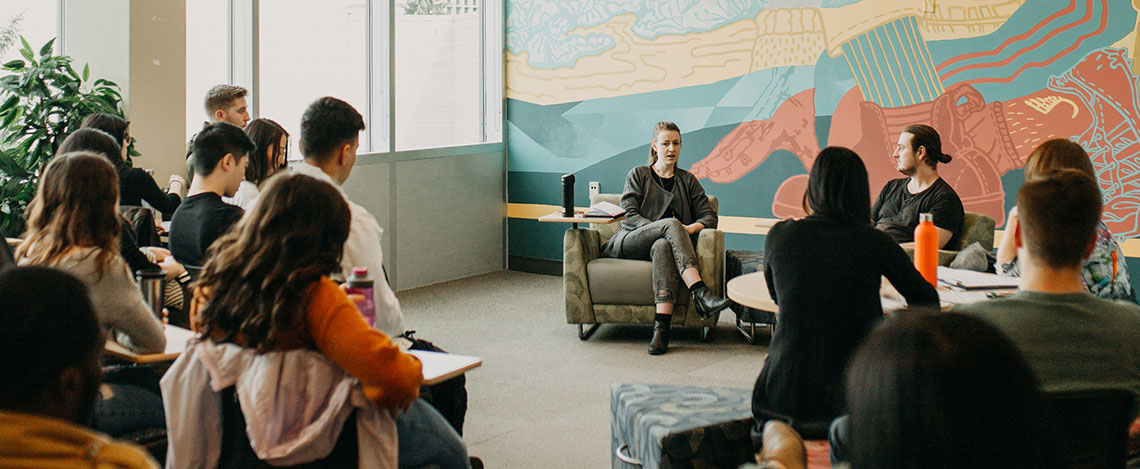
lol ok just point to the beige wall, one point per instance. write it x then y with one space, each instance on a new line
141 46
158 85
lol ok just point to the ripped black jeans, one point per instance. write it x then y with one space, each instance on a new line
665 243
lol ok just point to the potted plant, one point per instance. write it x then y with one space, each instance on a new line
42 100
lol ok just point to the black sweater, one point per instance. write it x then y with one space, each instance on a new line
198 222
135 186
825 276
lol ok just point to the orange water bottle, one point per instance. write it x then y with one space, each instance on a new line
926 248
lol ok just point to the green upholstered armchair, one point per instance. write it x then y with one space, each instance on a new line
620 291
976 227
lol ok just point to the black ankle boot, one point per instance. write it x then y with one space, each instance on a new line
660 341
706 303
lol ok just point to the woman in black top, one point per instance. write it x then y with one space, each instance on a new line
135 185
665 210
824 271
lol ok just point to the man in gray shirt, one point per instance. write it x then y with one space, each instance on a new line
1072 339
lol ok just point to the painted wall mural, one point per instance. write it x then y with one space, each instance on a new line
759 87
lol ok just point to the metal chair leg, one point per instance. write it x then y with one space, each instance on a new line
585 334
748 335
705 332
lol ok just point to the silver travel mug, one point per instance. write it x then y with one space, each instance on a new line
152 283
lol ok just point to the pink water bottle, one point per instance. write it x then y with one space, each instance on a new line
361 284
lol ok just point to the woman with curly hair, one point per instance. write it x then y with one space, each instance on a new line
266 287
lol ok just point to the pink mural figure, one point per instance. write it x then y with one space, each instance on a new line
1104 84
1096 103
985 139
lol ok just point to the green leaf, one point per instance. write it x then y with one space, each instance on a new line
45 51
41 103
10 104
10 118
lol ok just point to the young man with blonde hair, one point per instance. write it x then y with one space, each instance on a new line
223 103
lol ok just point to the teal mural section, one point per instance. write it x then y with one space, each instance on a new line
995 78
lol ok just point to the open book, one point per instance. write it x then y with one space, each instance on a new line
604 210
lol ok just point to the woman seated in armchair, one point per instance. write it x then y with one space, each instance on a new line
665 209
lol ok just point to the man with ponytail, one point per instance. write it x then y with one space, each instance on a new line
896 210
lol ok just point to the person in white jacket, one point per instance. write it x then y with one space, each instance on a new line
331 160
330 136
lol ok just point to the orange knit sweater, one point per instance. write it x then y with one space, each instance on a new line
335 327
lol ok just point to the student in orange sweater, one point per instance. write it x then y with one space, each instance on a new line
266 287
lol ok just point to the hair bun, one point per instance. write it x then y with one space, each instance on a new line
944 158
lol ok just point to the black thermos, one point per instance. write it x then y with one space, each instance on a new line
567 195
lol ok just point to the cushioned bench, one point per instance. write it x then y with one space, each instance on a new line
665 426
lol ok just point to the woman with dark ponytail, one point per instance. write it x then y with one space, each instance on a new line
665 208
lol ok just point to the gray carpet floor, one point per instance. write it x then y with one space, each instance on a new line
541 398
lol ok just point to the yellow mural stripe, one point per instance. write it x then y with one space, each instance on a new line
881 77
749 225
865 67
890 69
914 68
927 77
897 61
533 211
929 59
855 72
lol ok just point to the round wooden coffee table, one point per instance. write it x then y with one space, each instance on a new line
751 290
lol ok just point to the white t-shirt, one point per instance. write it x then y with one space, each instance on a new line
245 197
362 248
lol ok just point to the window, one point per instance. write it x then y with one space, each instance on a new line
35 20
439 74
308 50
207 56
445 57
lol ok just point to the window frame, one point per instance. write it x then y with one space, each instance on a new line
380 115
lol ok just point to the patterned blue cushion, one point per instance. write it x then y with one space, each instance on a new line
668 426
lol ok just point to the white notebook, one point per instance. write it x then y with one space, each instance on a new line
439 367
970 280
